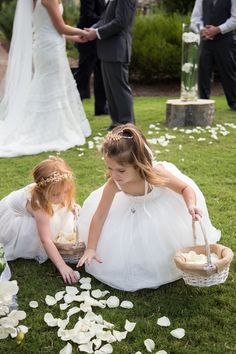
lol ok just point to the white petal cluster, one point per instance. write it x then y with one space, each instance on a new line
187 67
193 257
9 318
91 332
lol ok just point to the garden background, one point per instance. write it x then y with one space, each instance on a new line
207 155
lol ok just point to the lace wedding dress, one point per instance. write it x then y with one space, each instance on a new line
50 115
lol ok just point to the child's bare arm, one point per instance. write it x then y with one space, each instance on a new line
97 222
181 187
43 225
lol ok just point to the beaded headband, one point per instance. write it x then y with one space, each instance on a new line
116 137
54 178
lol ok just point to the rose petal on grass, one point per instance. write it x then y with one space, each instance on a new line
119 335
106 349
97 293
163 321
59 295
161 352
63 306
67 349
50 320
87 348
85 280
113 301
71 290
129 326
33 304
178 333
85 286
127 304
50 300
149 344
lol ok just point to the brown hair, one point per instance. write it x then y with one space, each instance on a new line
127 145
51 175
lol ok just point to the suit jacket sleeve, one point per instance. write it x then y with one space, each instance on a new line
123 17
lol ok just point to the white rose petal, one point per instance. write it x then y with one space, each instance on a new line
97 343
161 352
63 306
85 286
59 295
68 298
19 315
163 321
33 304
3 333
50 300
178 333
85 280
138 353
97 294
71 290
23 329
129 326
127 304
113 302
87 348
106 349
149 344
50 320
119 335
77 274
67 349
72 311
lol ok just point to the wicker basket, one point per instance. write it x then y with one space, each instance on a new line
204 275
73 251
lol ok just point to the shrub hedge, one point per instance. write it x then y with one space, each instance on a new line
156 47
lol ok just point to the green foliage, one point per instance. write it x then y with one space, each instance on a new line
7 17
181 6
156 47
207 314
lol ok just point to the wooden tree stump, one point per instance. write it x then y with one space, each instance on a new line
189 113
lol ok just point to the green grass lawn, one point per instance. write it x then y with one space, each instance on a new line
206 314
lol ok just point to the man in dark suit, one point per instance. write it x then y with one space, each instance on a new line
113 33
216 21
90 12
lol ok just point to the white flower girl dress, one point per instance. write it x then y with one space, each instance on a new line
141 235
18 230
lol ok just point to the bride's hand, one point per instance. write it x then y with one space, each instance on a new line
88 256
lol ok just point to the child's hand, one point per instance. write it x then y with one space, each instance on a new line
68 275
76 209
88 256
195 212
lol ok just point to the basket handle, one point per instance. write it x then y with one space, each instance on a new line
207 247
76 228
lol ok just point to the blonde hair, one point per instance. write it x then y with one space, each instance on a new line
127 145
50 176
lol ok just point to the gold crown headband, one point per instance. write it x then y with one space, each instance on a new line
116 137
54 178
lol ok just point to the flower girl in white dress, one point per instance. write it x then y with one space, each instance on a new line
134 223
40 109
32 217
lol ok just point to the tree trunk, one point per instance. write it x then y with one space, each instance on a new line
189 113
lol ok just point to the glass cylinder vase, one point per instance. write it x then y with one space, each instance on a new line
189 64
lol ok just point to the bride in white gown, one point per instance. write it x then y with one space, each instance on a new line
41 109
